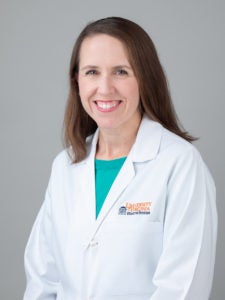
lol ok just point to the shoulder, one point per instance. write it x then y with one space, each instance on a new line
154 141
181 152
64 159
184 156
175 144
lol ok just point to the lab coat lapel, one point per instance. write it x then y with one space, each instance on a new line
87 180
119 185
122 180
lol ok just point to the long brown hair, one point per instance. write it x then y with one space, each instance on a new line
155 99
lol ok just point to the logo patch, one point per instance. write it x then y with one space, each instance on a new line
139 208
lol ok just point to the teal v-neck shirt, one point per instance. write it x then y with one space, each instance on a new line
105 174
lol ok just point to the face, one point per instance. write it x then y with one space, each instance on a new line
108 88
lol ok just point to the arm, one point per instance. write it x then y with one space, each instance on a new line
41 271
185 269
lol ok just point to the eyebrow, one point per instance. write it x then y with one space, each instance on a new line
89 67
96 67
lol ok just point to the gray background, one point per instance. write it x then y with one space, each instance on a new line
36 40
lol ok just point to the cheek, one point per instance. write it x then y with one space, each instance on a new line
83 93
132 90
84 89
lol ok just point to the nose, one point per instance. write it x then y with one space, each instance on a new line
105 85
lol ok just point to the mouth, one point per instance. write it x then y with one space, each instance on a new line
107 105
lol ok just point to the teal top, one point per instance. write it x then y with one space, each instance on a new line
105 174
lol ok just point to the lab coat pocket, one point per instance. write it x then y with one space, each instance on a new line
134 232
133 223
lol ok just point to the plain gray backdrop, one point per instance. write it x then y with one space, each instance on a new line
36 40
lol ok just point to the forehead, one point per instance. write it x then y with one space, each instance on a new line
102 46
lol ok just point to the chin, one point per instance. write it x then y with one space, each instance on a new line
107 125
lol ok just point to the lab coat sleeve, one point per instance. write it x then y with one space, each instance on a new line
185 269
40 267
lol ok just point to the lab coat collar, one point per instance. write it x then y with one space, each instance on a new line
148 140
91 144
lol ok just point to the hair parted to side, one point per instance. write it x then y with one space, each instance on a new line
155 99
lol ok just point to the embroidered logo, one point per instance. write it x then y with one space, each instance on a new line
139 208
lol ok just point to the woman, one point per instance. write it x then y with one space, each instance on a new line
130 208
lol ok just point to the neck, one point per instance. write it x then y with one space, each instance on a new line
115 143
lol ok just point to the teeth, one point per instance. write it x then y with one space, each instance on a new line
107 105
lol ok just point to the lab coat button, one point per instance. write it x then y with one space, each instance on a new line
93 243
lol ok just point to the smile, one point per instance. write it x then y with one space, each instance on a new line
107 106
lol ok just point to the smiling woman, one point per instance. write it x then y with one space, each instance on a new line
130 210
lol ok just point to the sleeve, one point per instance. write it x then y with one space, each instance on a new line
40 267
185 269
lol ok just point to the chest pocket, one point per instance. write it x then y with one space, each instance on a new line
139 224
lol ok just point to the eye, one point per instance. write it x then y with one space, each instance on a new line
121 72
91 72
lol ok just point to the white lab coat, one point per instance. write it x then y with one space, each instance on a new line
167 254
